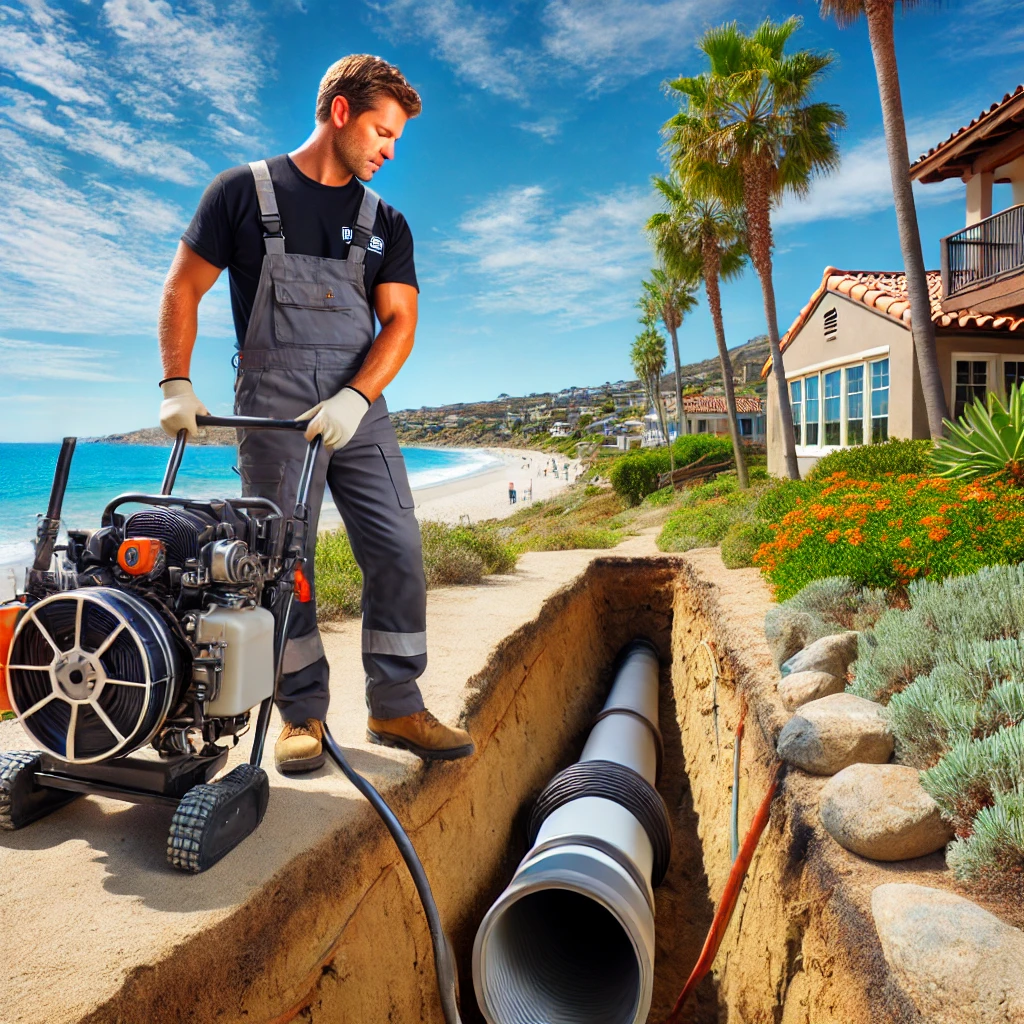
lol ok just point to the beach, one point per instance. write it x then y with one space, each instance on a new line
478 496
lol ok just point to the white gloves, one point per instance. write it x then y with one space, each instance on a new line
180 407
337 419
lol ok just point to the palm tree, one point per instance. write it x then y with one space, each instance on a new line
883 50
648 358
671 295
749 120
703 239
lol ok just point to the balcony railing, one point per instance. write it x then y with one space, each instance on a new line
983 252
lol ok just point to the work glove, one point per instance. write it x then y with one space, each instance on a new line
337 419
180 407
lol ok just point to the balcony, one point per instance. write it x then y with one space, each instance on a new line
983 265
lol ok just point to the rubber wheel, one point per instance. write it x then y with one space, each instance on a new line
21 800
214 817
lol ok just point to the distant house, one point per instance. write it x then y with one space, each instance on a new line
560 429
707 414
850 364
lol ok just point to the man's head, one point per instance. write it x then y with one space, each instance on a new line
365 102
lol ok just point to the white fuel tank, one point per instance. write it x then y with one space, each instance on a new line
248 674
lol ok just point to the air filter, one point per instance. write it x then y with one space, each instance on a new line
178 528
92 673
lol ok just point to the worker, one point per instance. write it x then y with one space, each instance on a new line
312 254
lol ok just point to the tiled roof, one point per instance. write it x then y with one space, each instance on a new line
985 115
885 291
716 404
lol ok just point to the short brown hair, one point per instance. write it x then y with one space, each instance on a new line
362 79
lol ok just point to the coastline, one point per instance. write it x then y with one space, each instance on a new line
480 495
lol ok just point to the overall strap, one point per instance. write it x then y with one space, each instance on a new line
364 225
273 237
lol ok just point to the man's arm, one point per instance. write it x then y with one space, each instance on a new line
188 280
396 308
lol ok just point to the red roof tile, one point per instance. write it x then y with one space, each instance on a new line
716 404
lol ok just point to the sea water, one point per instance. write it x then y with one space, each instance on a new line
99 472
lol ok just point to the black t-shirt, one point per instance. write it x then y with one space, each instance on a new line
317 220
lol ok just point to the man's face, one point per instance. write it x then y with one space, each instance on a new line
363 143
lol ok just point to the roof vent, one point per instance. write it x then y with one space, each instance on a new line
831 324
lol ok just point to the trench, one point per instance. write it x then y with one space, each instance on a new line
340 937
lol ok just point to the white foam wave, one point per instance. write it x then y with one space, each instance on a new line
16 552
473 463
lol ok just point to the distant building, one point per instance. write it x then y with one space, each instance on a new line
707 414
560 429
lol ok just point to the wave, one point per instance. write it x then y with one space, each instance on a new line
16 552
474 462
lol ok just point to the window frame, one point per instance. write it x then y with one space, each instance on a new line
996 370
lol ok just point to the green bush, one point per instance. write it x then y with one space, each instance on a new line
339 582
658 499
782 497
741 540
635 475
702 525
575 537
688 448
498 556
875 461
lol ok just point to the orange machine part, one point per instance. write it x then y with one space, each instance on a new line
303 589
137 555
8 620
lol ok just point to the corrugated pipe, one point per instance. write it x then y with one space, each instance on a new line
572 937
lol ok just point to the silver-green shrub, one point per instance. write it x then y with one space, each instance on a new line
996 841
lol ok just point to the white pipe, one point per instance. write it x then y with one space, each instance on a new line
572 937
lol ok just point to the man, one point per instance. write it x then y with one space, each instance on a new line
311 255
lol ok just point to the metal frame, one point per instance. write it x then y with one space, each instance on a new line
138 779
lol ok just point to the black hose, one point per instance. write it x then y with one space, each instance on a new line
444 963
49 526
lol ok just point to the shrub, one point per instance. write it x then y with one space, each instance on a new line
988 441
741 540
701 525
658 499
886 534
688 448
782 497
996 842
339 582
635 475
573 537
498 556
895 457
840 604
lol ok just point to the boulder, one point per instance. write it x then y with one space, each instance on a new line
880 811
956 962
827 734
788 631
832 654
801 687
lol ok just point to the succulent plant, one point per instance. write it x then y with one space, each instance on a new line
988 441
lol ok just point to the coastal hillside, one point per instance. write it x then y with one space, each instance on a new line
517 421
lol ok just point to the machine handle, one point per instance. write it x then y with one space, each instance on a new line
49 526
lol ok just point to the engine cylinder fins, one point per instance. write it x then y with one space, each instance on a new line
178 528
92 673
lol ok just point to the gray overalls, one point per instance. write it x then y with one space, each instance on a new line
310 330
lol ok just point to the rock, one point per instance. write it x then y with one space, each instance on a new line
801 687
880 811
827 734
832 654
956 962
788 632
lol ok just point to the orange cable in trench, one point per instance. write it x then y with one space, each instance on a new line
730 896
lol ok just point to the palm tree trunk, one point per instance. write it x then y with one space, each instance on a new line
679 383
711 266
759 244
883 50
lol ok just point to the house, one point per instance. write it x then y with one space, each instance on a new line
707 414
560 429
850 364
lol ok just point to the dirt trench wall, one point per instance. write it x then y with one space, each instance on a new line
339 935
800 949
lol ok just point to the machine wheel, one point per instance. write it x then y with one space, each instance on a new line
21 800
214 817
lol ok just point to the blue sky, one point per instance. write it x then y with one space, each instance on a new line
525 180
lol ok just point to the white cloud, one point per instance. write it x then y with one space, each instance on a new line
548 128
465 39
35 360
580 264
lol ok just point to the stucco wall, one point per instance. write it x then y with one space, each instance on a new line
859 330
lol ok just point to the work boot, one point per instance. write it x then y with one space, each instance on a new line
299 748
421 733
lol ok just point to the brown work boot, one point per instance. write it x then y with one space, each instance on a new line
299 748
421 733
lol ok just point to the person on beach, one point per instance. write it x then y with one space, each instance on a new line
312 254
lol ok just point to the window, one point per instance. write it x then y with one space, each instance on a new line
811 411
855 405
833 406
971 383
702 426
1013 373
880 401
831 324
746 427
796 401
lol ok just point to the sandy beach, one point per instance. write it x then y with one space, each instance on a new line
483 495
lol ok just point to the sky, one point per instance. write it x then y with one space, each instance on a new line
526 180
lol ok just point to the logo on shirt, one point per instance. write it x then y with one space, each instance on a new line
346 234
376 245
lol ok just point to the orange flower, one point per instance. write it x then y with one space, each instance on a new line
855 537
832 536
939 533
906 543
882 504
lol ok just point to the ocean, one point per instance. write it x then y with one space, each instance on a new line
99 472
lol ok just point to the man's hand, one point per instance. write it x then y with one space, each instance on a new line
337 419
180 408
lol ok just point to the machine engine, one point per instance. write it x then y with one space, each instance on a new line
157 628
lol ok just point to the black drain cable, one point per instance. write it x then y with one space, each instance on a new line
444 963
